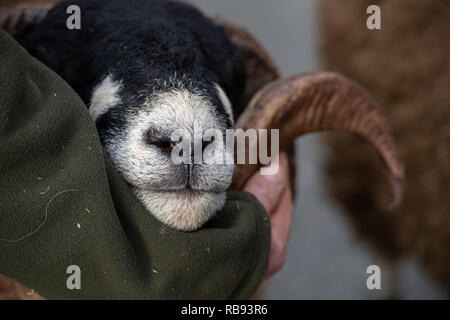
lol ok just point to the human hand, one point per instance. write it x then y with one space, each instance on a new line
275 194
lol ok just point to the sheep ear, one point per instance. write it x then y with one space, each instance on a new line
259 67
318 102
16 16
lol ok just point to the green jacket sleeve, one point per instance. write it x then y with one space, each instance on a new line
62 204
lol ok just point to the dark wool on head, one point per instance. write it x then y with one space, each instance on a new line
147 68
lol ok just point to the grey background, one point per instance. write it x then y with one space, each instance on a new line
325 260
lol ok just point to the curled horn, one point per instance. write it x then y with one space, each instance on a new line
317 102
307 103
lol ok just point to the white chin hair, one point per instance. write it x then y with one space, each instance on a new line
185 210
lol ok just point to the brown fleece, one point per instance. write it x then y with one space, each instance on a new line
406 68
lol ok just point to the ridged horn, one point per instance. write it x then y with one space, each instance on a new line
317 102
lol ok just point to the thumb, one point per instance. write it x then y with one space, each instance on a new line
268 188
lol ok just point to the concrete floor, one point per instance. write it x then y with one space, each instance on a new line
325 261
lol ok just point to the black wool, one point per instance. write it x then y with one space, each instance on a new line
146 44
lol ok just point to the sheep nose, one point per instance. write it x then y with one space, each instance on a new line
206 143
192 151
193 146
197 144
164 145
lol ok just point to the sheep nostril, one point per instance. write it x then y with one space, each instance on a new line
162 144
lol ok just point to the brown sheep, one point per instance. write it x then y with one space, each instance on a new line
406 67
